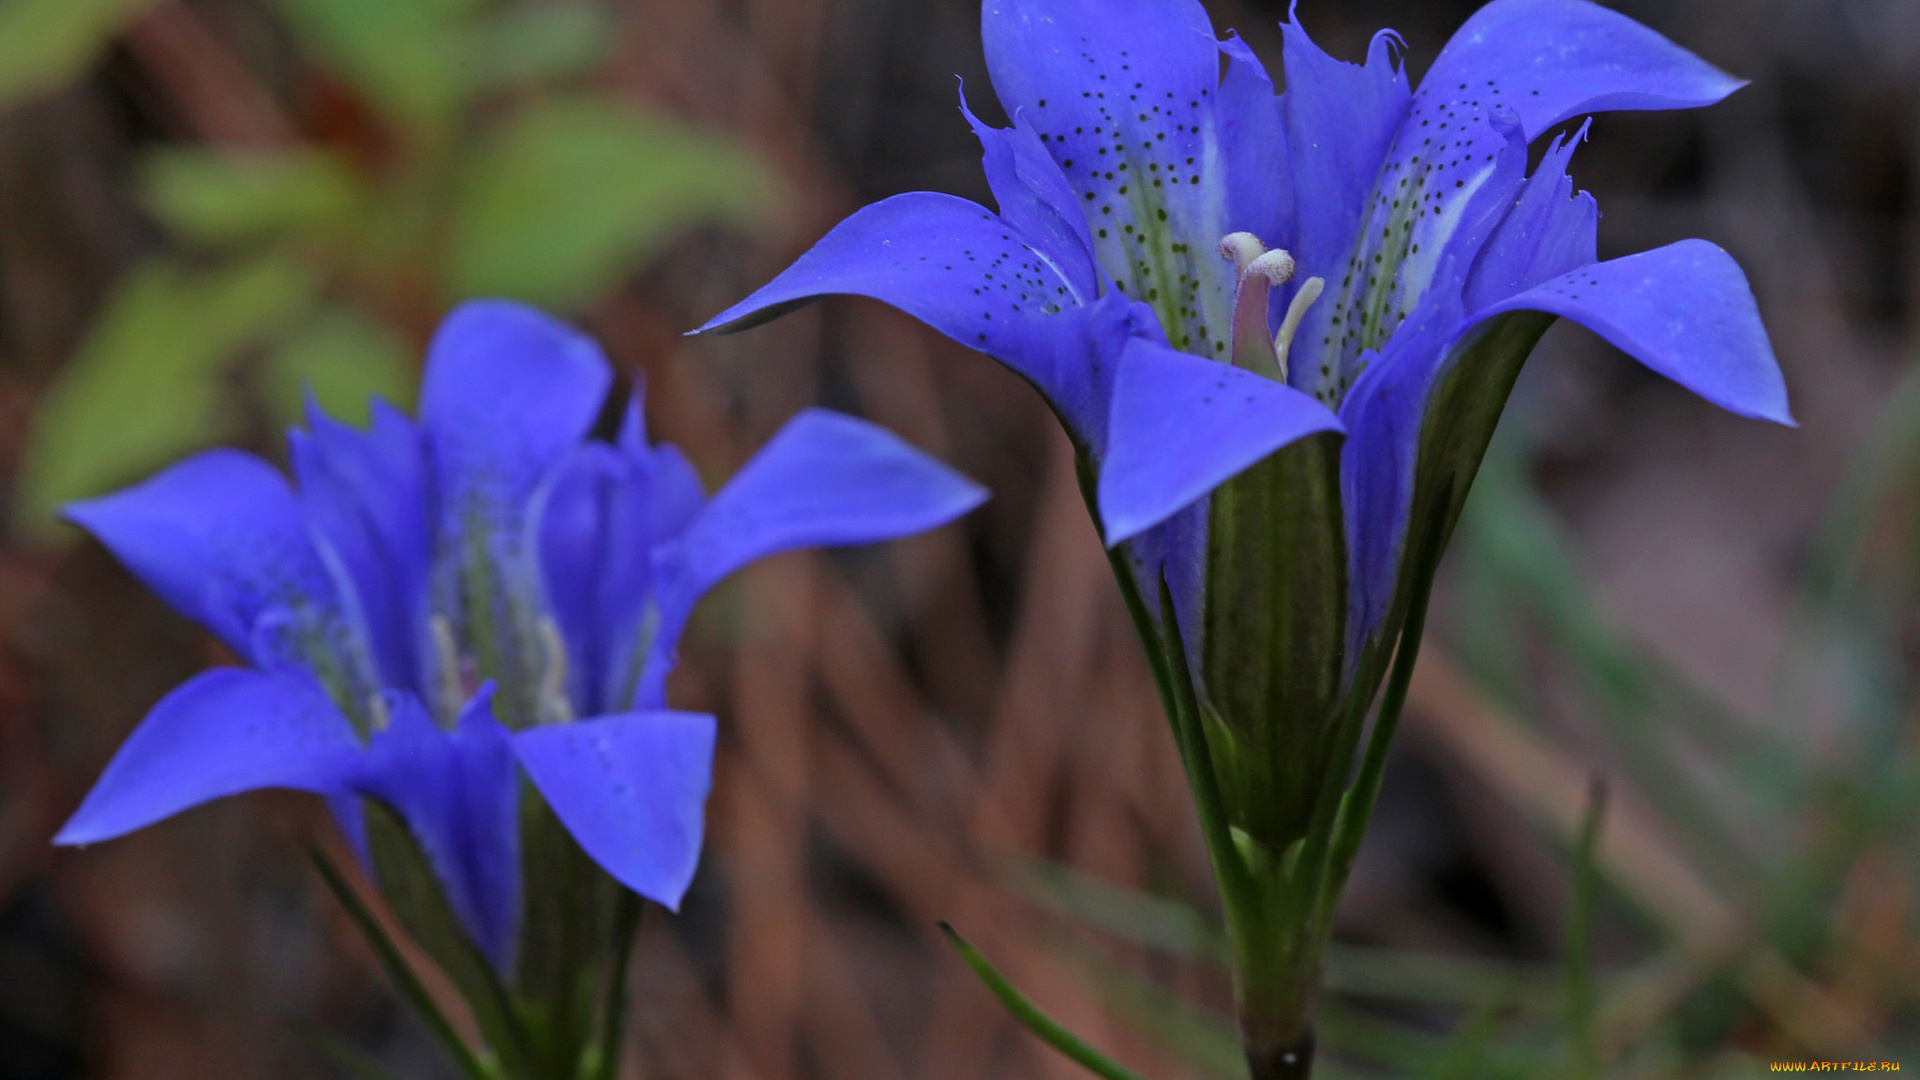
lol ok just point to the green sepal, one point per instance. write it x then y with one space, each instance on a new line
570 941
1463 408
1273 647
408 882
394 962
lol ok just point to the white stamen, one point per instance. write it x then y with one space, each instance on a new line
447 656
1310 291
553 681
1276 266
1241 249
379 718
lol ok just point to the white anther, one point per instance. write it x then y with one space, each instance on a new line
1310 291
1241 249
553 681
446 654
379 717
1276 266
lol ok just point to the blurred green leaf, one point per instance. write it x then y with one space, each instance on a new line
575 194
413 59
145 385
545 44
342 357
44 44
215 198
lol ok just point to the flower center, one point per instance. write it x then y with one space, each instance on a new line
1257 272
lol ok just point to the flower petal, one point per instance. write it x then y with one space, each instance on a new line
1384 414
220 537
365 495
1036 199
1685 311
1549 231
1182 426
971 276
825 479
220 733
1253 137
632 789
1552 60
457 792
596 533
1122 93
1448 179
1340 119
553 380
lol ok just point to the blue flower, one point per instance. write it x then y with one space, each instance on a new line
442 606
1198 272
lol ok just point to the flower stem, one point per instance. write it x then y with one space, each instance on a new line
1046 1027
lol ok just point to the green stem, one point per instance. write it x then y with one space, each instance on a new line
1030 1016
613 1021
1166 655
1356 808
1581 1026
403 976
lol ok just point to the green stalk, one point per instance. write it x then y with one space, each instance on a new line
1356 808
1024 1010
1582 1027
405 979
613 1020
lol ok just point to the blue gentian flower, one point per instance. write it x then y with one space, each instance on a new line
1197 272
445 605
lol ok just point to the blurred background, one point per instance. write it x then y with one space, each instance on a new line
206 205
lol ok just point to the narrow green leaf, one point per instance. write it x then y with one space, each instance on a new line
344 358
404 978
146 383
573 195
212 197
44 44
1582 1020
411 887
1030 1016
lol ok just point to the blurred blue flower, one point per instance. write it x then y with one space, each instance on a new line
1128 273
442 600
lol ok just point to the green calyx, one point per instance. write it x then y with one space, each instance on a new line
1274 628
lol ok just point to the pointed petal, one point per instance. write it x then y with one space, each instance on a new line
968 274
1552 60
457 792
508 391
1253 137
220 537
1340 120
1685 311
1383 414
1550 231
220 733
365 495
1122 93
1037 201
1447 181
632 789
825 479
1182 426
596 534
